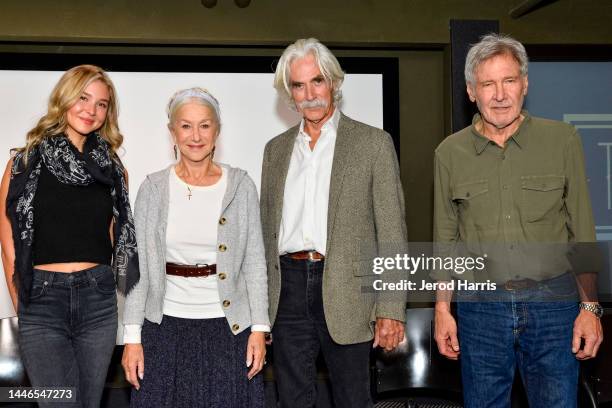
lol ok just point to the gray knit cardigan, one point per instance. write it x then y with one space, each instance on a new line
240 252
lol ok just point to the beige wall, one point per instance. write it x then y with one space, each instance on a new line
414 31
372 22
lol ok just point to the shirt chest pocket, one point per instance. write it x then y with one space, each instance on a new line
473 202
542 197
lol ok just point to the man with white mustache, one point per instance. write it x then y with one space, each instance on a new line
330 191
515 184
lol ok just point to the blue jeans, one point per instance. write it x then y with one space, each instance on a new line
68 330
528 329
300 333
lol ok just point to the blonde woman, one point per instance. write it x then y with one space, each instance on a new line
68 237
195 324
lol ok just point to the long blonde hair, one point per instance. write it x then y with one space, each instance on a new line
64 95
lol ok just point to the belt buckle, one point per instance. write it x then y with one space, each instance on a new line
311 257
198 265
509 286
518 285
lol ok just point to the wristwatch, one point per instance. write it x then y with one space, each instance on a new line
594 308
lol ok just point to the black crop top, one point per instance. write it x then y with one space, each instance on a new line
71 223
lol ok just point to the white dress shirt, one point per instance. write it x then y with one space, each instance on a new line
304 219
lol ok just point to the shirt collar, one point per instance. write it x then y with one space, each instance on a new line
331 124
519 137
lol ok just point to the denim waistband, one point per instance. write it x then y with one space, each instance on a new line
71 278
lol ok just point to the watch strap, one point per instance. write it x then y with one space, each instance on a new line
594 308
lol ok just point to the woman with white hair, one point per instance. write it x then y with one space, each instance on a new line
195 324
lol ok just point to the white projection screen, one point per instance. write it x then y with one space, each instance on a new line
251 114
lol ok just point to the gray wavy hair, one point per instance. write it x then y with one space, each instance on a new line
490 46
327 62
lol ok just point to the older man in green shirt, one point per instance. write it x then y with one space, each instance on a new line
513 187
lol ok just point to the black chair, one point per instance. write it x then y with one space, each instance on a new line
12 371
415 374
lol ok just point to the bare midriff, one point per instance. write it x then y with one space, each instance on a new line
66 267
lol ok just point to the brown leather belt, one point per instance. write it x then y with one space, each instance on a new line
190 270
312 256
520 284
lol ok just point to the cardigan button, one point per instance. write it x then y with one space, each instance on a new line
235 327
222 276
222 248
222 220
226 303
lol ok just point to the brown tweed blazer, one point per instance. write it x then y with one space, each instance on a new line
366 210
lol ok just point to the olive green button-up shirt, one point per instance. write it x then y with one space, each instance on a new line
518 206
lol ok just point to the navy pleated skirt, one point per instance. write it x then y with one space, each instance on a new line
190 363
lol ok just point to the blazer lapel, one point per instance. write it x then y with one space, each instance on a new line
279 170
341 159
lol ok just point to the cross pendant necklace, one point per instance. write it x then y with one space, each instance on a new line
189 195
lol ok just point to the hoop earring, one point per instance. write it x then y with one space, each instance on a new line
175 153
212 153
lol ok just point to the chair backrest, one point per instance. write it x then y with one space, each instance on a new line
12 371
416 363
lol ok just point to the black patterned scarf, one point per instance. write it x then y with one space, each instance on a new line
69 166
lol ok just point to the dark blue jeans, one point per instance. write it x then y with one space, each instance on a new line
68 330
300 333
528 329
